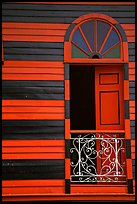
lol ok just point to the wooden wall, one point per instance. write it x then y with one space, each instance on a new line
33 91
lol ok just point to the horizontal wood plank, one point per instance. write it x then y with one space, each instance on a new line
33 190
33 183
33 38
33 64
33 32
99 189
25 70
34 103
29 76
33 155
16 150
33 110
43 26
33 143
33 169
33 116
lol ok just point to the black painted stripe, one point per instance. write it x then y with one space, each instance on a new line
132 84
132 129
38 90
133 168
130 185
32 57
70 7
30 13
132 96
33 123
33 90
33 96
33 136
37 83
34 130
126 106
42 45
131 52
37 130
125 71
67 148
128 148
132 123
131 58
132 90
132 136
32 51
66 72
67 186
32 169
60 19
131 45
67 109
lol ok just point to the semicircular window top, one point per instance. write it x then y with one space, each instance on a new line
95 39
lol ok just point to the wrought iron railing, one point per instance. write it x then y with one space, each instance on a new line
97 157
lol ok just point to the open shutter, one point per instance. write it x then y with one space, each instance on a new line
109 97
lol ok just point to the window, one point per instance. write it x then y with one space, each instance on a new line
95 39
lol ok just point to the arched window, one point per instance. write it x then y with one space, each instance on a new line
95 39
96 78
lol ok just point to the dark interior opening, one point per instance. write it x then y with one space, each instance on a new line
82 98
95 57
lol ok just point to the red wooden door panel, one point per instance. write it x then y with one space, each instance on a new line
109 101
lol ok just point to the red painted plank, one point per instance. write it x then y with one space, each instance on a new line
33 190
43 26
32 76
31 183
39 103
130 33
132 142
128 26
29 116
76 197
16 150
34 156
131 77
33 143
132 110
33 109
131 65
56 71
132 116
37 64
33 38
132 71
33 32
99 189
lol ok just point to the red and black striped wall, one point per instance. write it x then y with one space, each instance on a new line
35 160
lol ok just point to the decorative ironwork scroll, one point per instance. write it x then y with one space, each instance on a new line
97 158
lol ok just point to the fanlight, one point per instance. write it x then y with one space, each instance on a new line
95 39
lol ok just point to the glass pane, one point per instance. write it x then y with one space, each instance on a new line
114 53
88 30
112 39
77 53
102 30
78 39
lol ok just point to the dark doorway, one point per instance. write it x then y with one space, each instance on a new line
82 98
